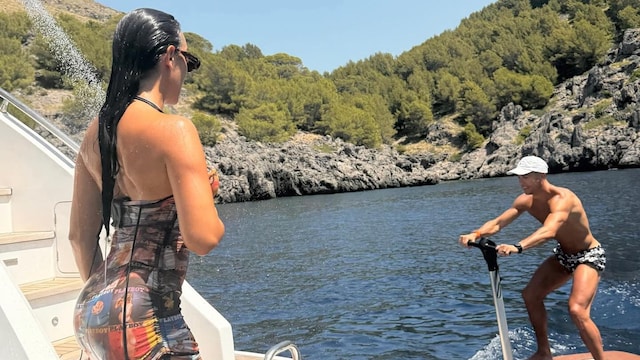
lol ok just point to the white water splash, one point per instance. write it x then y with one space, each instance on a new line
624 292
523 344
73 64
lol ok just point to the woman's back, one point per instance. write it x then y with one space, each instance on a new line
141 279
161 155
144 136
145 172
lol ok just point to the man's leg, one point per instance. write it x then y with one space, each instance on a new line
585 284
549 276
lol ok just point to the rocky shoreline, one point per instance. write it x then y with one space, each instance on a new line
254 171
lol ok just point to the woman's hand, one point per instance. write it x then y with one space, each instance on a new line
214 180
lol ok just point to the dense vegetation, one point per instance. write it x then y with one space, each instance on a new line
511 51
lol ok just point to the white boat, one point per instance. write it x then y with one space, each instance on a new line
38 274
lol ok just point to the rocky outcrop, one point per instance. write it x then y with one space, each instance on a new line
311 165
593 123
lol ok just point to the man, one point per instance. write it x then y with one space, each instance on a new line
578 254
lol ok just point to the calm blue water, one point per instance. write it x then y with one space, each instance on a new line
379 274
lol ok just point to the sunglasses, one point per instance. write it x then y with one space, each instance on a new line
193 62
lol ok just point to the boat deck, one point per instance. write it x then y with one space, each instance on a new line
614 355
40 289
68 349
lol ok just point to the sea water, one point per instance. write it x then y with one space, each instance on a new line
379 274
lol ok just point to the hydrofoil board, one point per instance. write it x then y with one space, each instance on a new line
613 355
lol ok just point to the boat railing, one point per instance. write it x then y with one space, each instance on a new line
32 119
282 347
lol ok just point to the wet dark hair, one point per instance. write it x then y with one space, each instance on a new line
141 37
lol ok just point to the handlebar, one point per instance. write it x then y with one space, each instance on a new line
489 252
484 243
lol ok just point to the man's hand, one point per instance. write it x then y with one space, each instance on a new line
466 238
506 249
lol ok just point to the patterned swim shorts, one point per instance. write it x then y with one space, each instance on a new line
594 257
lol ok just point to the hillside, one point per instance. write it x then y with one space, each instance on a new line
592 123
82 9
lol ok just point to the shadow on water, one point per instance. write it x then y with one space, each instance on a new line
379 274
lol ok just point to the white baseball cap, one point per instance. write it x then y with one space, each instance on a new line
530 164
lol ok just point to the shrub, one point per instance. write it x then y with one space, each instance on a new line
473 139
208 127
267 123
523 135
600 122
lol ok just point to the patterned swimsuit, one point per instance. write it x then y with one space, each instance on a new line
133 298
594 257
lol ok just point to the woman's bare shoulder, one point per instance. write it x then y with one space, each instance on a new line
180 123
175 131
91 134
168 136
154 130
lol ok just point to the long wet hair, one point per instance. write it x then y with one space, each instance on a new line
141 37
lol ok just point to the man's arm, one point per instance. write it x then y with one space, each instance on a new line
559 210
492 227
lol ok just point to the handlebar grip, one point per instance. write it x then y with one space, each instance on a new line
489 252
483 243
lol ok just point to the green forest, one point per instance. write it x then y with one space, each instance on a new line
512 51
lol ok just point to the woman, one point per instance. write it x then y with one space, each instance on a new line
145 170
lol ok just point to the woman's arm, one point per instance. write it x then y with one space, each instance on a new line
86 220
200 225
